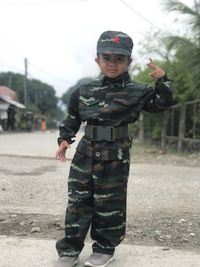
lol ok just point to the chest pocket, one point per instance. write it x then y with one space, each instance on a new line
127 102
88 107
89 101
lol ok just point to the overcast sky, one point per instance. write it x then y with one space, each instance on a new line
58 37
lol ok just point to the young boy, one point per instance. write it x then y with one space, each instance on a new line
99 171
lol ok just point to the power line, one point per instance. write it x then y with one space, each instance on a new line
14 52
9 47
31 77
139 15
9 58
10 51
53 76
11 55
9 66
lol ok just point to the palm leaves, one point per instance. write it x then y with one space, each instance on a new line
187 49
193 14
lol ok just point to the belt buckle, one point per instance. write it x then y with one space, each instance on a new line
104 133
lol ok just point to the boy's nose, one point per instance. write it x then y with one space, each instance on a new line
112 63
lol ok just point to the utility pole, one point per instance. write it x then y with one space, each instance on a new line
25 82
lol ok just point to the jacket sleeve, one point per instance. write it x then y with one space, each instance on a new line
160 98
70 126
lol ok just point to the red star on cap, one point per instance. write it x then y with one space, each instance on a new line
116 40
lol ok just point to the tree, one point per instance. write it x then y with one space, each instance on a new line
42 99
178 56
187 48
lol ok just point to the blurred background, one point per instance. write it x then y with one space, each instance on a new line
48 47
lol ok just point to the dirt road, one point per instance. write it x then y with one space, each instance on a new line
163 198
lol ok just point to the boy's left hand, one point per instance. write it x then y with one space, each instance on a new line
157 72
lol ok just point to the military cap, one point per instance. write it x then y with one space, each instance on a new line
115 42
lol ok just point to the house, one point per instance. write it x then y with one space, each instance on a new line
8 101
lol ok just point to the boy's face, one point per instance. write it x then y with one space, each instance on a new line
112 65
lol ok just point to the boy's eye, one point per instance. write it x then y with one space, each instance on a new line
117 59
120 59
106 58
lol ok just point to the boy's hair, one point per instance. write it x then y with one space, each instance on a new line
114 42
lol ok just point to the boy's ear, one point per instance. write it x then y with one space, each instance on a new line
130 61
97 60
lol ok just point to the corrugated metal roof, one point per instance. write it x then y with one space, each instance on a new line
9 96
5 91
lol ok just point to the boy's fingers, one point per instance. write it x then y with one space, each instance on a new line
61 157
152 64
155 72
151 60
158 73
57 155
60 154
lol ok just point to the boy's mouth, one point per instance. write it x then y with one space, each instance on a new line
112 70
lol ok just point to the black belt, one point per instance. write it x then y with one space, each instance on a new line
106 133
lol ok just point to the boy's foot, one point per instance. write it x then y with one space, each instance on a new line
99 260
67 261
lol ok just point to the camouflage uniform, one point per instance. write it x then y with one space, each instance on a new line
99 171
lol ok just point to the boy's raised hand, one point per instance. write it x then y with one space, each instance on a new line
157 72
60 153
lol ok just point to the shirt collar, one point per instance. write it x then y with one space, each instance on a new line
122 80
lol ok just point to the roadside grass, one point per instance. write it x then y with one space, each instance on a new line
151 152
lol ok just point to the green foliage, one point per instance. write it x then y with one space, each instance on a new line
179 57
187 49
153 125
41 97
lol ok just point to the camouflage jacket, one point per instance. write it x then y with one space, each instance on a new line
112 102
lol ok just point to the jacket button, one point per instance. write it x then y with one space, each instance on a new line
105 105
97 154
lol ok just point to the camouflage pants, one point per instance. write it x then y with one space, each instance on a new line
97 198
